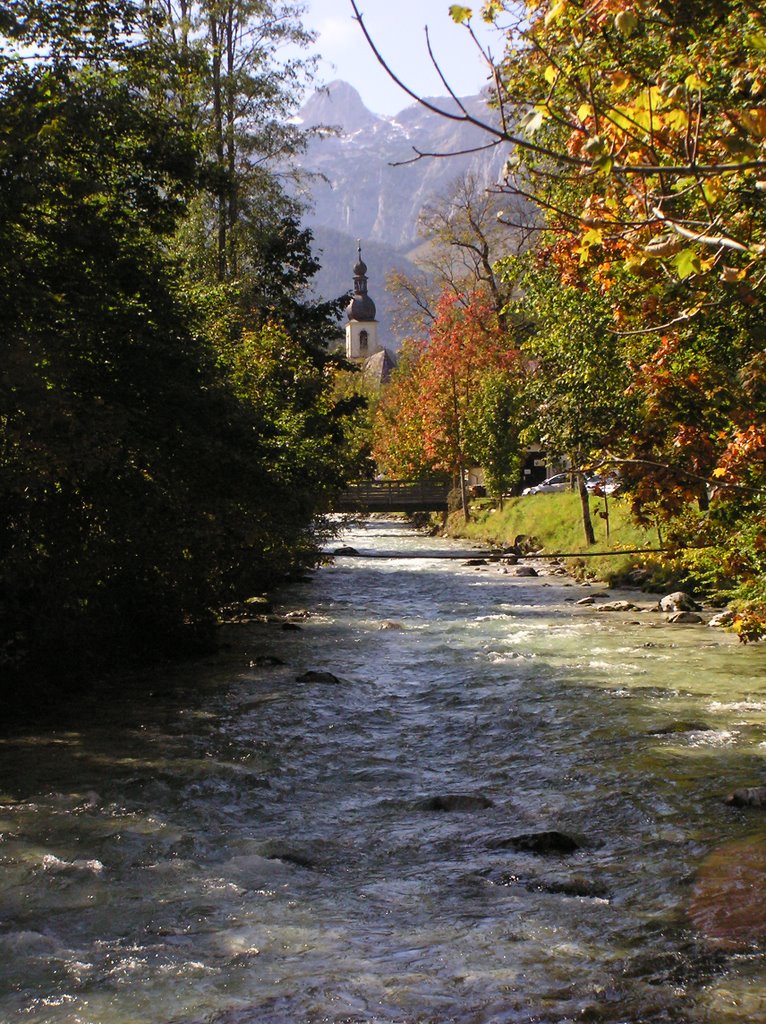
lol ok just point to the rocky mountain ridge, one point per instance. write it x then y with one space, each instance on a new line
364 184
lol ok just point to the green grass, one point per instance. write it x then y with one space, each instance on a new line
556 521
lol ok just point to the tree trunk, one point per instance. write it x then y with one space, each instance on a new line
231 140
216 41
587 522
464 495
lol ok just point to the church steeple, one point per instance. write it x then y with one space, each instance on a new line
361 306
362 327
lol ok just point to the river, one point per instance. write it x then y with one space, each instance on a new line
238 847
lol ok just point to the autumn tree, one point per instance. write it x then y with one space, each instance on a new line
430 415
638 129
398 428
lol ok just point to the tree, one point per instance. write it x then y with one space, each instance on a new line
157 458
240 97
578 388
497 417
398 428
463 239
657 104
427 417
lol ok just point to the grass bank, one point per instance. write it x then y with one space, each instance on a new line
555 521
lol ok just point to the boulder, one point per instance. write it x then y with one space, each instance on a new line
456 802
389 624
728 901
678 602
313 676
264 660
689 618
522 570
289 855
722 619
616 606
673 728
544 844
475 561
577 886
752 796
586 600
345 551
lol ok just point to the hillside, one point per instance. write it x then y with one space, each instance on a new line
359 190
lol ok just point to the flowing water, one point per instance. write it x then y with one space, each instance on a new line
245 848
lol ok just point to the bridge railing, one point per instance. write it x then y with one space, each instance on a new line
393 496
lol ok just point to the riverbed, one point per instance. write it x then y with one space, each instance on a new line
235 846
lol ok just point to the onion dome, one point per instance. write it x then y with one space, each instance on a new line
361 306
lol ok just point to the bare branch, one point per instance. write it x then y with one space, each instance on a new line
420 155
700 237
440 73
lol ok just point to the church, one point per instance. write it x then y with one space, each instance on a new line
363 345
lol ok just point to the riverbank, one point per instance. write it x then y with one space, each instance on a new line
625 554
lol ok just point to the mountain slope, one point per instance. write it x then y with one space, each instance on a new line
365 185
372 190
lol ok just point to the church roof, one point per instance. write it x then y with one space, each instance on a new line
377 368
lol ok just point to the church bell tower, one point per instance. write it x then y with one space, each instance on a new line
362 327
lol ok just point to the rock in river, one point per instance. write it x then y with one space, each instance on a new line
690 618
728 904
455 802
544 844
312 676
722 619
678 602
752 796
672 728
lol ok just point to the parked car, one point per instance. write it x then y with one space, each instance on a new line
559 482
600 485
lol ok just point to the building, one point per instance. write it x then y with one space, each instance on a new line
363 345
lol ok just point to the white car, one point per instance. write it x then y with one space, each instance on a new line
600 485
559 482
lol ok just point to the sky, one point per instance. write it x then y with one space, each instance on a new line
397 26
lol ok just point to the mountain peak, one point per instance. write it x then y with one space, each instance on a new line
338 104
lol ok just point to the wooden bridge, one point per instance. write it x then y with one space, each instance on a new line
394 496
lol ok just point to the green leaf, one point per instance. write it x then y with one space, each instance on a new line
535 118
626 22
555 12
756 41
490 11
460 14
603 164
687 262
